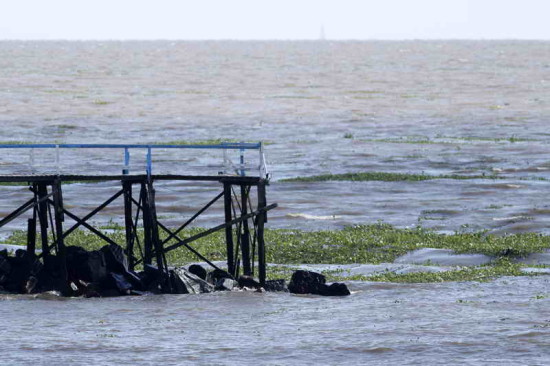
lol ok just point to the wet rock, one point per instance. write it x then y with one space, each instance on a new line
198 271
51 277
248 282
225 284
306 282
276 286
5 266
335 289
151 278
115 258
86 266
17 272
118 282
217 274
185 282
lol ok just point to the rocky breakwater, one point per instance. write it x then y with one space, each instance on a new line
105 273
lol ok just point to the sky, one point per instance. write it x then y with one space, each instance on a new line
268 19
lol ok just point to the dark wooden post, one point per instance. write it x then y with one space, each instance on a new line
245 236
129 223
262 219
59 218
229 228
42 192
31 234
147 227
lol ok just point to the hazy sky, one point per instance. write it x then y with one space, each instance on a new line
281 19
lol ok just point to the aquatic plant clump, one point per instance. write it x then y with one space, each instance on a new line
365 244
385 177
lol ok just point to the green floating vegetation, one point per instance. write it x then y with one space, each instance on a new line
204 142
374 244
197 142
16 142
446 140
385 177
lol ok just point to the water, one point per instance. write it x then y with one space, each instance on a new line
505 321
469 108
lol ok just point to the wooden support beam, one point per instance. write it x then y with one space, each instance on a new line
86 225
61 252
260 220
175 233
31 236
245 235
220 227
93 213
228 229
41 194
147 226
129 223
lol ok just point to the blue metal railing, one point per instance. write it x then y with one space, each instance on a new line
241 146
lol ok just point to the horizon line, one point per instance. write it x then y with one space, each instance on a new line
263 39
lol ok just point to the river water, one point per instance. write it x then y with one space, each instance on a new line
469 108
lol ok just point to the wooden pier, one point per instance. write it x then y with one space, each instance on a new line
243 220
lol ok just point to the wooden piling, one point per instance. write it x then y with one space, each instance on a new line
228 228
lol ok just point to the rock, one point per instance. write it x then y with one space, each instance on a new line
225 284
151 278
86 266
276 285
306 282
335 289
116 281
185 282
115 258
5 266
216 275
198 271
20 269
249 282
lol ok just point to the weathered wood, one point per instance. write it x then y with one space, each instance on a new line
245 235
220 227
61 252
93 213
260 220
147 226
172 235
31 236
41 191
228 229
129 224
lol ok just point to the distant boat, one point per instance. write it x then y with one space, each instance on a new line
322 36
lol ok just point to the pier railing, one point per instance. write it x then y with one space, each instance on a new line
132 158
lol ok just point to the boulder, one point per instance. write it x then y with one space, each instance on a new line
276 286
248 282
335 289
86 266
225 284
115 258
185 282
306 282
214 276
198 271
